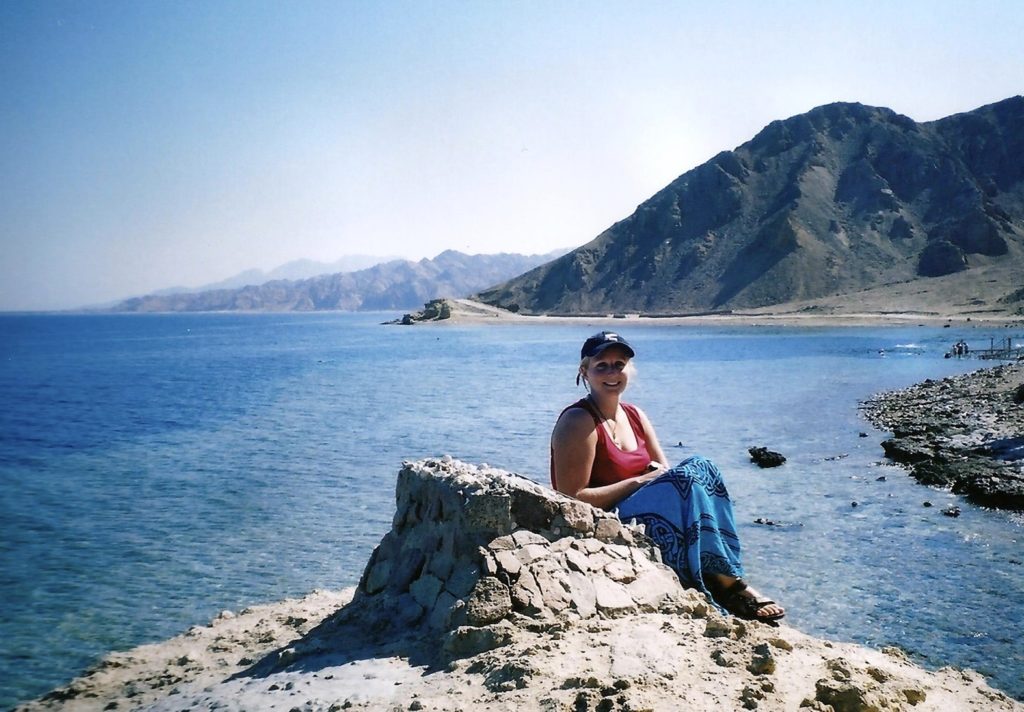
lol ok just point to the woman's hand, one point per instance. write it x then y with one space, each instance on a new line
654 471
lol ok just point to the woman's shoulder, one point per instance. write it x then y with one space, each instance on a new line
633 408
575 417
636 413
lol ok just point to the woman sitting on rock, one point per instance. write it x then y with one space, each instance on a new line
605 452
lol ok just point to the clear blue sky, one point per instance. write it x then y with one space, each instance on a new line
145 144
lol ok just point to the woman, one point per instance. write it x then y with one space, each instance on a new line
605 452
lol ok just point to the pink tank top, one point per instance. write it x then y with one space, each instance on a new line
612 464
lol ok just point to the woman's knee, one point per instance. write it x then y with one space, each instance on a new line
699 462
700 469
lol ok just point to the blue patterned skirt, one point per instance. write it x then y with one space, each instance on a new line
688 514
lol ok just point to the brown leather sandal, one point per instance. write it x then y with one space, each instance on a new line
744 606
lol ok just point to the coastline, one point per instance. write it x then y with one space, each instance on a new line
704 661
965 433
579 614
469 312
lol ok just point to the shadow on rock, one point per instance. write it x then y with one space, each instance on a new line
477 555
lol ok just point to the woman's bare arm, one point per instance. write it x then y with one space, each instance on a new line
574 444
653 446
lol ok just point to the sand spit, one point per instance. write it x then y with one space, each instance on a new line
467 311
493 593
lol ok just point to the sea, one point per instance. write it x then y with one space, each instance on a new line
158 469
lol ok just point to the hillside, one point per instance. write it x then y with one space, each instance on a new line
399 284
842 199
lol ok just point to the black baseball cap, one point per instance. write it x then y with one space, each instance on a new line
602 340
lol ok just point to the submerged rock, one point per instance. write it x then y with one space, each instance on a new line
763 457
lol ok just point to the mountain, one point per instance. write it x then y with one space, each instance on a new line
843 198
399 284
296 269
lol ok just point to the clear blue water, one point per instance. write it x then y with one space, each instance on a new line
157 469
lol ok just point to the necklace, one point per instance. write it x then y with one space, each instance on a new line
612 424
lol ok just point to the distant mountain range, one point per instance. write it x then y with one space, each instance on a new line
841 199
296 269
394 285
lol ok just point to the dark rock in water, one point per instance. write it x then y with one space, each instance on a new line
779 525
764 457
991 483
926 503
863 434
934 474
880 479
961 433
953 511
907 450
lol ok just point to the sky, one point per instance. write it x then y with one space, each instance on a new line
157 143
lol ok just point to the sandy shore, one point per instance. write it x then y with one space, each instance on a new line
977 295
467 311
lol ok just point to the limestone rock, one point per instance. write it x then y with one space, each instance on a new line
471 640
489 602
472 546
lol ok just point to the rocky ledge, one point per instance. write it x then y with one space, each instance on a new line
492 592
434 310
965 433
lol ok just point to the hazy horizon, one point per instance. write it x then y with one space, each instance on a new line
160 144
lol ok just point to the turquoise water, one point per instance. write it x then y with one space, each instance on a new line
155 470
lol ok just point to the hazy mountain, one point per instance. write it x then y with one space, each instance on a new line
843 198
395 285
296 269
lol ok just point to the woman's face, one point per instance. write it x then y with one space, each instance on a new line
607 372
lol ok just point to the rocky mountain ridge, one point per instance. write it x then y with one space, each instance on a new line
399 284
294 270
841 199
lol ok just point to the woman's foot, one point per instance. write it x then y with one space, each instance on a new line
742 601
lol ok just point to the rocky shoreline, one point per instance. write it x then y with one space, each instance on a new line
492 592
965 433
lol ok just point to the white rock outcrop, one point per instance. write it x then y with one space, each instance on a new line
493 592
471 547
